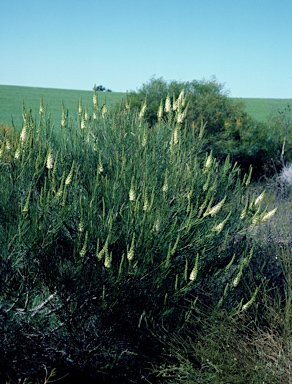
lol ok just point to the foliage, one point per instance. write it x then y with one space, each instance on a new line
6 135
254 347
206 101
220 349
283 121
229 130
101 88
153 93
109 231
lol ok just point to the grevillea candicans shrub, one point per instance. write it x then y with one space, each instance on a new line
109 231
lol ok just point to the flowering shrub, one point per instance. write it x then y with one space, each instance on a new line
6 141
229 130
110 231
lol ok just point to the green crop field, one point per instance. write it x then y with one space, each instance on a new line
12 97
263 109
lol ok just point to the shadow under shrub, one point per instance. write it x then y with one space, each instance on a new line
216 346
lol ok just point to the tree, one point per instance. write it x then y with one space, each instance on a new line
153 93
229 130
101 88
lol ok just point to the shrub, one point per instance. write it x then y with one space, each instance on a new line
153 93
6 141
110 231
229 130
220 349
253 347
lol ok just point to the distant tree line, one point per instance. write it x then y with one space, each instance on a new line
101 88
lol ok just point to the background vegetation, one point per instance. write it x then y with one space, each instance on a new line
230 130
12 97
131 253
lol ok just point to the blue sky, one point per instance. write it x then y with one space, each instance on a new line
121 44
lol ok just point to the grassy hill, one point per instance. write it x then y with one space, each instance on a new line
11 98
262 109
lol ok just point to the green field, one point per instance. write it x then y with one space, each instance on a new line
12 97
263 109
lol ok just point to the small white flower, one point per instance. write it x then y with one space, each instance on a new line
269 215
131 251
175 105
157 225
175 137
17 154
144 140
132 195
216 208
219 227
167 107
236 281
70 175
251 301
160 112
145 206
195 269
49 163
103 111
107 260
259 198
244 211
81 226
100 168
23 134
181 97
84 248
142 112
209 161
95 100
25 209
180 117
165 187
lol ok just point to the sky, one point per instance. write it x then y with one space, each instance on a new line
121 44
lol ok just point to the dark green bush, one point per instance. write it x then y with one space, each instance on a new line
229 130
